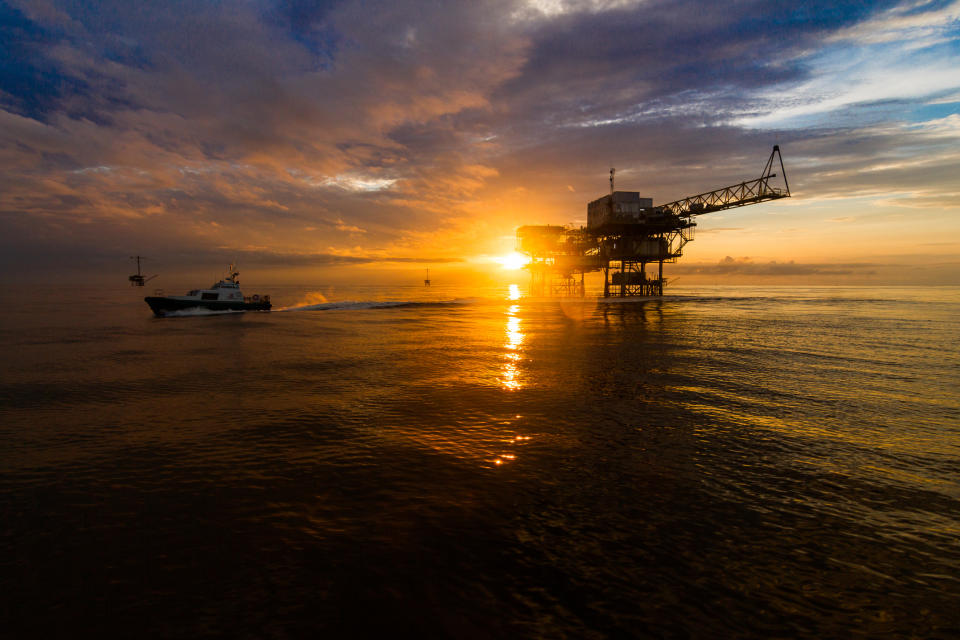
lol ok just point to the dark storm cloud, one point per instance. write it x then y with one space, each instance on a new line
690 59
316 128
30 83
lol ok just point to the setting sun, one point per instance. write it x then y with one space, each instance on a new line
512 260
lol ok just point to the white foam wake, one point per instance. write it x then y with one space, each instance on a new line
199 311
370 304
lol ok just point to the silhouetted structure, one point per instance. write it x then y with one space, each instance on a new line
625 233
138 279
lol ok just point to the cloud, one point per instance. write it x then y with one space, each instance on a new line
746 267
905 53
263 257
905 165
358 183
349 228
434 132
921 23
701 231
533 10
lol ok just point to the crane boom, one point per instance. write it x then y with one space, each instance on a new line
738 195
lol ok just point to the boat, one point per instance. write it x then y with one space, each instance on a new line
224 295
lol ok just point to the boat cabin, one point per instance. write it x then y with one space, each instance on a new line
227 290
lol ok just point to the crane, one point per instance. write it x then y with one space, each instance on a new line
738 195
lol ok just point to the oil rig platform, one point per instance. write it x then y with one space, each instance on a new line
625 233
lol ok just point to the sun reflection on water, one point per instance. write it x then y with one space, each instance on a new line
510 372
505 458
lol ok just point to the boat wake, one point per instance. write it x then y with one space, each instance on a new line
372 304
199 311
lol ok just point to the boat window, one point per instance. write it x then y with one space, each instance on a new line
208 296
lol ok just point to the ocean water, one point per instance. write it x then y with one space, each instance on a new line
721 462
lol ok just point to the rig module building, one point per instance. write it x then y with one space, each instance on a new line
625 233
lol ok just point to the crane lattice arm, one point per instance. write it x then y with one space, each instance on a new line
738 195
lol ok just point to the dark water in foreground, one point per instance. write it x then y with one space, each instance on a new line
726 462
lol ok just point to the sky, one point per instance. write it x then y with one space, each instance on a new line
309 138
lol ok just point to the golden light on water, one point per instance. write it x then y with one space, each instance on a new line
514 335
510 377
515 441
510 372
514 292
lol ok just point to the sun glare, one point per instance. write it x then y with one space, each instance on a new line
512 260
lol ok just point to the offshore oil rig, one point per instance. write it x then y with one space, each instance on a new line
625 233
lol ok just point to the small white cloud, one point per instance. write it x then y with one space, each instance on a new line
950 99
349 228
538 9
357 182
100 169
410 38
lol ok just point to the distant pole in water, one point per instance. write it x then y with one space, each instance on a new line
426 278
